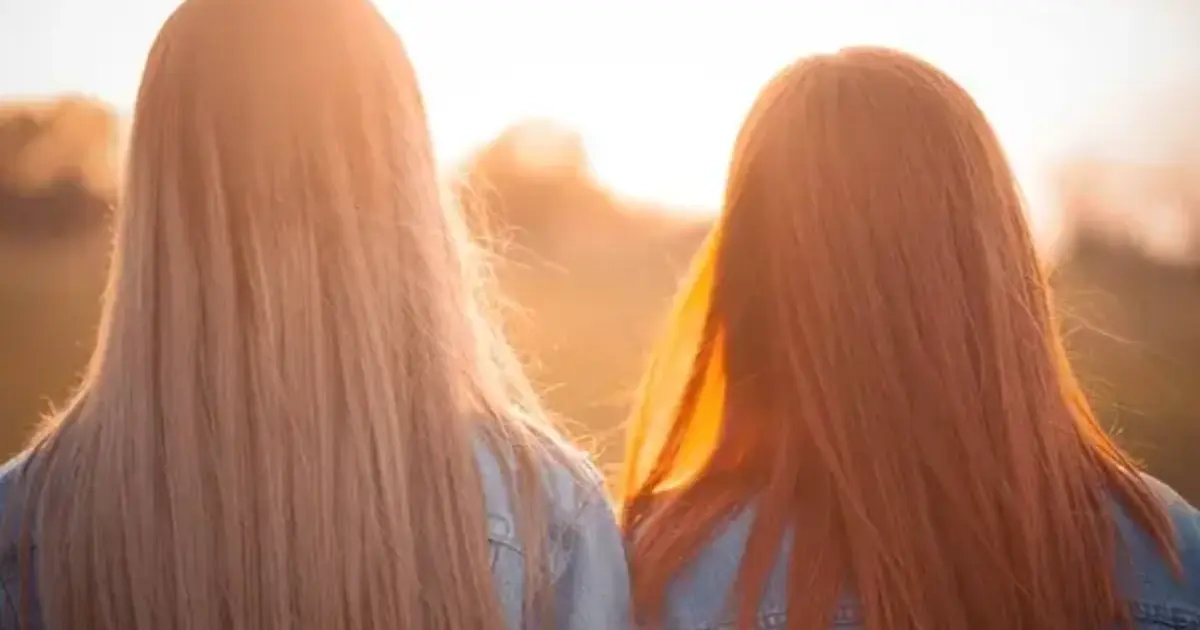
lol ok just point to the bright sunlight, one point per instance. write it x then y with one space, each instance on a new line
657 89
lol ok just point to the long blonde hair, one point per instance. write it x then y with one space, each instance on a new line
278 426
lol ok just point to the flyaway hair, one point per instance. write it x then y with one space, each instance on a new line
295 368
866 358
674 372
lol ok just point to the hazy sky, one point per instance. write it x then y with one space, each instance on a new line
658 87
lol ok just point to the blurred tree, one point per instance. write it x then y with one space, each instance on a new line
589 277
57 186
589 313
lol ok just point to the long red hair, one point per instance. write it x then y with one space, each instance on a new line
866 353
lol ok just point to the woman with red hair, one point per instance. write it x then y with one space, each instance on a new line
862 414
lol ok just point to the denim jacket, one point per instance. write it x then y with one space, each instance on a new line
586 554
699 598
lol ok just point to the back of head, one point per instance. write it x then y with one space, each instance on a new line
277 428
891 385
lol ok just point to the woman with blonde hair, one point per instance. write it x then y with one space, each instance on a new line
861 415
297 416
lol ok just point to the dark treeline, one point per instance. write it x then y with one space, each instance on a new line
588 278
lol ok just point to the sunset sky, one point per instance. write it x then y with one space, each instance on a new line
658 87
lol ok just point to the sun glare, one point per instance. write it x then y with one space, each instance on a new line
657 89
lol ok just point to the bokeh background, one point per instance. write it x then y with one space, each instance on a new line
591 141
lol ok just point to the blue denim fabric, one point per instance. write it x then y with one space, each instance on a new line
586 552
699 598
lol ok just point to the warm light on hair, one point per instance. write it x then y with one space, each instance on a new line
279 426
866 356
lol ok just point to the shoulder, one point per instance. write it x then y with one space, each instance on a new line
571 487
10 470
1185 520
1185 523
10 478
10 518
1184 517
1154 588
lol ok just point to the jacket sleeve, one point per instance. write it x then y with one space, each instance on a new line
593 591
